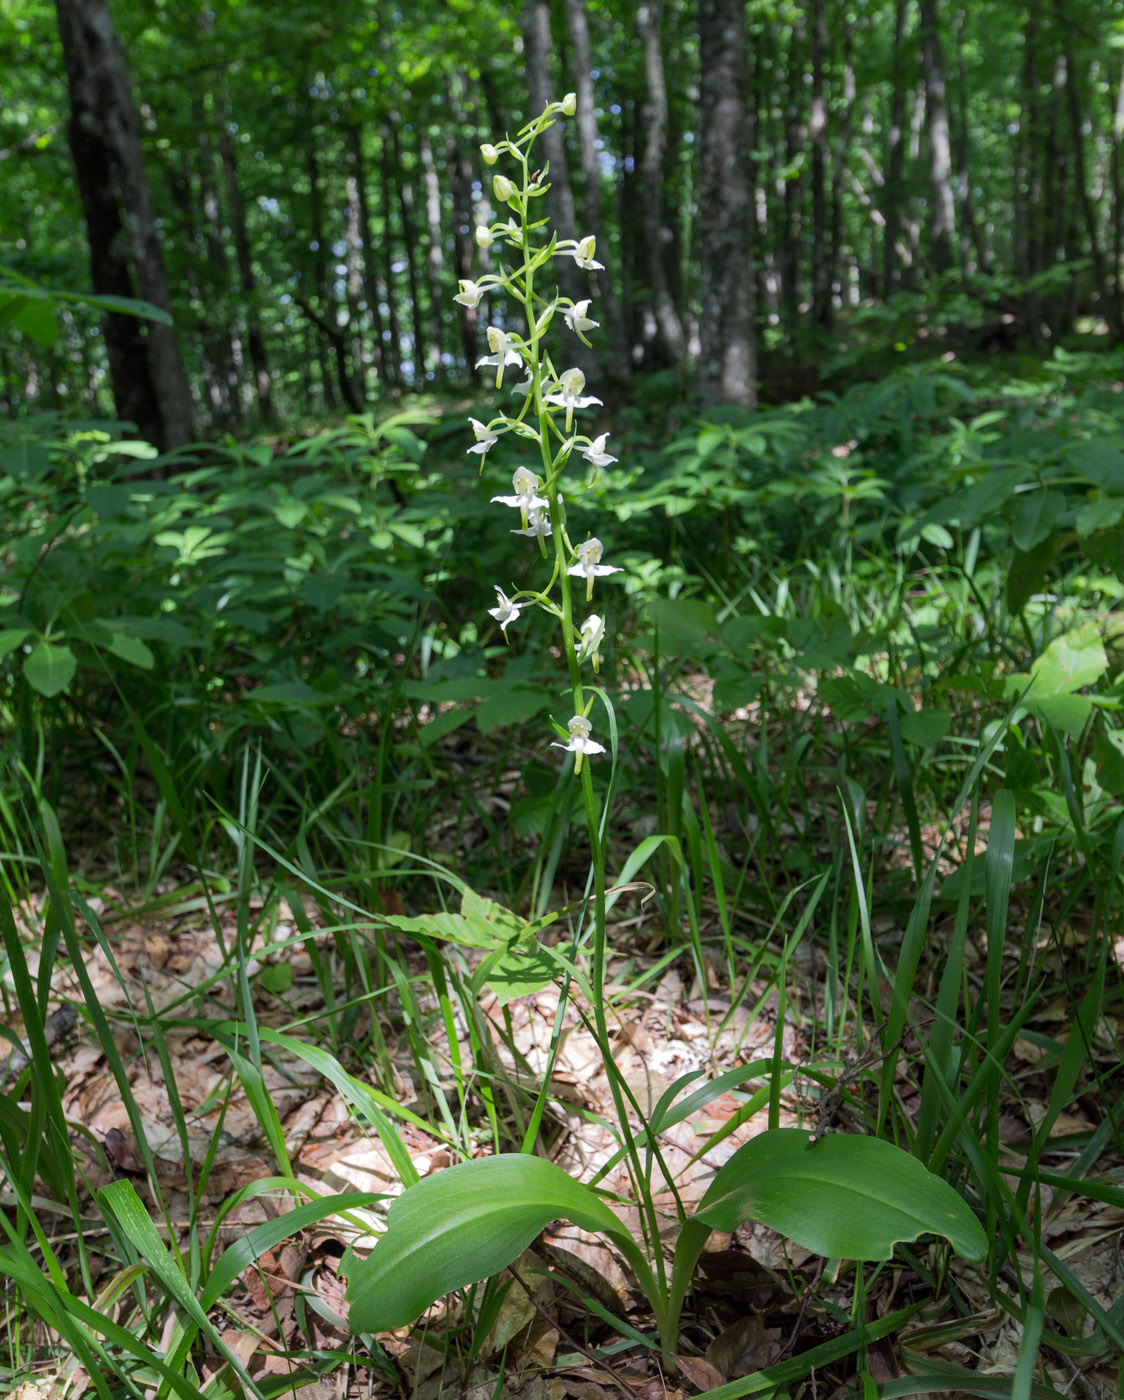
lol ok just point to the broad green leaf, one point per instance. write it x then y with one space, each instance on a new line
26 461
481 924
509 706
298 693
11 638
1034 517
925 727
1101 514
518 972
49 669
38 322
459 1226
131 649
846 1197
1071 661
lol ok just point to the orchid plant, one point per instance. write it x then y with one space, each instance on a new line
466 1223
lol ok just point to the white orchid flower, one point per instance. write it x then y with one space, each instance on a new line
595 453
503 354
592 635
471 293
537 527
485 438
589 565
568 394
580 743
524 387
484 237
578 321
505 612
583 254
526 498
489 153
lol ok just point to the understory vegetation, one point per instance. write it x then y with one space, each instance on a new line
279 823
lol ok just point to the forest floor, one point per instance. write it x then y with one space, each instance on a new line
759 1299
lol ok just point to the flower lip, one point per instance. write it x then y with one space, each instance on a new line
505 612
580 742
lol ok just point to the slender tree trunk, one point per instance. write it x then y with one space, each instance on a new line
459 166
537 49
226 396
594 212
942 224
321 278
387 174
794 140
371 291
728 349
255 343
149 384
435 254
654 116
817 130
895 160
971 236
1028 187
353 262
409 237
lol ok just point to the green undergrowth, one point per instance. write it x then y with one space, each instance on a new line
867 759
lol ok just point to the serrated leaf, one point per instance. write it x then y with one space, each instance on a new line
49 668
845 1197
459 1226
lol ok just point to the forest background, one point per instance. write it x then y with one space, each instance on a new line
854 306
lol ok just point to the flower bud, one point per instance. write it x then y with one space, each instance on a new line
489 153
569 104
503 187
484 237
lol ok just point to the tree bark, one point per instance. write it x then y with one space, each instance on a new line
594 209
654 119
371 291
149 385
817 131
409 238
788 257
728 349
942 220
537 48
435 256
895 161
255 343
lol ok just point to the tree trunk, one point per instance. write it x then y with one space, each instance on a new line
459 166
728 350
794 139
387 173
537 48
321 278
406 211
594 211
435 255
971 236
263 384
371 290
817 131
942 221
895 161
668 325
149 385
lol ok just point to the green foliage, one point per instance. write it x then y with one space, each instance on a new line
847 1197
